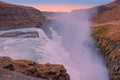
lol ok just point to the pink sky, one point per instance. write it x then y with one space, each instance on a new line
60 8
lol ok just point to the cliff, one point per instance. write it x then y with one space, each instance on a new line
109 12
108 40
106 31
16 16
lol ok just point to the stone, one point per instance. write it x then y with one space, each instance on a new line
45 71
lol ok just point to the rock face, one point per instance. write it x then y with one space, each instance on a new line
106 31
108 13
15 16
44 71
108 40
19 34
10 75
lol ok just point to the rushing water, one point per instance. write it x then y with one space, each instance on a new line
71 45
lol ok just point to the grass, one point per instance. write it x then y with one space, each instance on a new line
107 37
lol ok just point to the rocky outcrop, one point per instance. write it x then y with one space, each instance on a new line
15 16
44 71
20 34
109 12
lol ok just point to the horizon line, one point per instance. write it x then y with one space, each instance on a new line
60 8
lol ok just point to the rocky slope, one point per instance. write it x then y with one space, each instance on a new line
106 31
15 16
30 68
108 12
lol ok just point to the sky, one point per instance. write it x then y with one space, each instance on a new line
59 5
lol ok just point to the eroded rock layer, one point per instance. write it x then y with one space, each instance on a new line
15 16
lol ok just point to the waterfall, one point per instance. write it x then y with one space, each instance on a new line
84 62
71 45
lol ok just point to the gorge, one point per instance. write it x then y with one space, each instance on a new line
65 38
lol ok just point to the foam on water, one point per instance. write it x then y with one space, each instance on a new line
42 49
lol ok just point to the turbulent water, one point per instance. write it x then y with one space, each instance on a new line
70 45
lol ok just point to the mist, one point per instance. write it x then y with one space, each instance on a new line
84 61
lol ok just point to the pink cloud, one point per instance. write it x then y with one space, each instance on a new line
58 8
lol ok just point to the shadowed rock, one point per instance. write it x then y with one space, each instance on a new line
10 75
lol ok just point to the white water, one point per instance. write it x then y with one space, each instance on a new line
73 47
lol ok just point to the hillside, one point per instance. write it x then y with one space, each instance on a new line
15 16
108 13
106 31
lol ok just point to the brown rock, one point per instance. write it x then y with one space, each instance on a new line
11 75
44 71
107 34
109 12
15 16
5 61
108 40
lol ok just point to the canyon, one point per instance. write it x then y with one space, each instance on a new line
105 30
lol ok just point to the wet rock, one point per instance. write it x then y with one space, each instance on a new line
19 34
